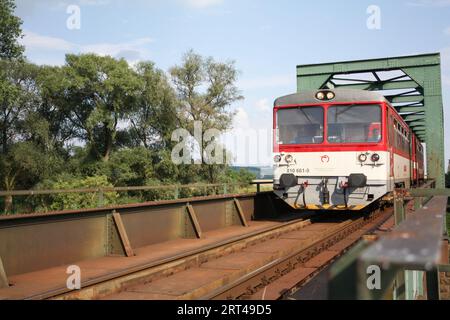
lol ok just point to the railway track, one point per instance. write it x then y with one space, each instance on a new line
265 265
286 275
236 252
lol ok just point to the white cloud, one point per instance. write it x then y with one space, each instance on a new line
130 50
34 40
241 119
430 3
114 49
263 105
248 141
201 4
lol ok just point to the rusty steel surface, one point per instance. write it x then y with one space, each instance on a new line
306 262
216 273
39 241
107 274
225 269
39 215
160 241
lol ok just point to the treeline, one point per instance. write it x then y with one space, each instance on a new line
97 121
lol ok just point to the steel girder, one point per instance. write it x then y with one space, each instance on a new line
411 83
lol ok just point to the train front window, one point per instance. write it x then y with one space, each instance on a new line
303 125
354 124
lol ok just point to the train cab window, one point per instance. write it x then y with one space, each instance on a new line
354 124
303 125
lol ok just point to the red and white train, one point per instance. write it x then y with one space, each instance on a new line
341 149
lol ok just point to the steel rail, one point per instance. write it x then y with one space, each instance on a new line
247 238
274 269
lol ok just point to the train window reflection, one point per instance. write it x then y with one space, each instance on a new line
303 125
355 123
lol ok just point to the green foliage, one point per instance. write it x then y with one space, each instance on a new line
10 31
98 122
242 176
447 180
67 201
205 89
25 165
94 93
154 118
130 167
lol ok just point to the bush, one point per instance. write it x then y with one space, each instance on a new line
72 201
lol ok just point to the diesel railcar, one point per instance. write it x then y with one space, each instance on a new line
341 149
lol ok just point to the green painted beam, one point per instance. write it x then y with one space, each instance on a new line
413 117
421 133
417 123
406 84
429 193
384 64
403 99
419 127
410 109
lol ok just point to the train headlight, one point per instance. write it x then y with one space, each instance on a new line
375 157
330 95
320 95
277 158
289 158
362 157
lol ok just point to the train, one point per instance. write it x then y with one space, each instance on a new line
342 149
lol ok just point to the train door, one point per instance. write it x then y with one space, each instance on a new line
412 157
391 142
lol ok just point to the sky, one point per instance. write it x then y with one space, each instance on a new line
266 39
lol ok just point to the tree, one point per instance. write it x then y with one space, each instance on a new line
205 89
95 93
26 153
59 128
73 201
130 167
153 120
10 31
18 97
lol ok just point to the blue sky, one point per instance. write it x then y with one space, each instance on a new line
267 39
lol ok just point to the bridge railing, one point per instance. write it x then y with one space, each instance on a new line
406 263
98 197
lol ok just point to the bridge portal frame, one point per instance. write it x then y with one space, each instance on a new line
411 83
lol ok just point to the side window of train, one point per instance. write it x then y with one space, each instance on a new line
397 134
391 130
